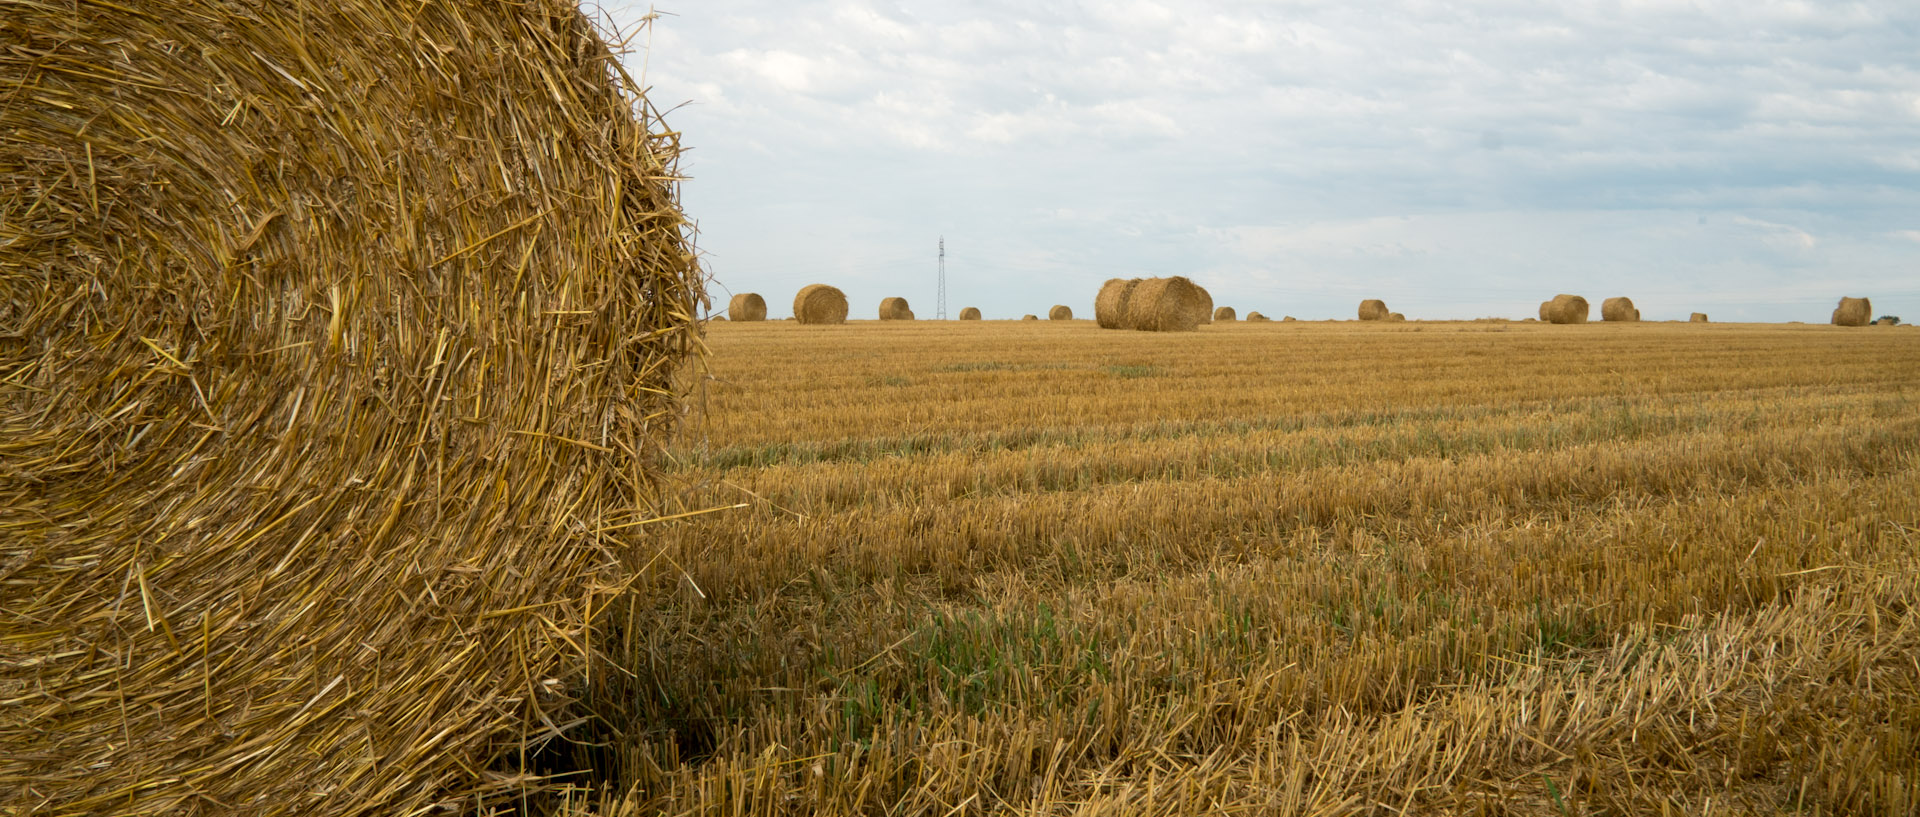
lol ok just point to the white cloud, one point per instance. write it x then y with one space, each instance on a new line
1389 142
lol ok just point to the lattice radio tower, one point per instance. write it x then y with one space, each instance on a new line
940 308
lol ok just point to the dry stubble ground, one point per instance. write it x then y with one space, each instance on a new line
1462 568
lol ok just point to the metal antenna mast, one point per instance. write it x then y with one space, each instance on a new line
941 309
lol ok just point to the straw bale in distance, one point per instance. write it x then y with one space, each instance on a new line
1698 317
820 304
1373 309
1886 321
1564 309
1060 312
1224 314
747 306
346 366
1110 306
970 314
1853 312
1619 310
1256 317
1288 319
1165 305
1029 317
895 309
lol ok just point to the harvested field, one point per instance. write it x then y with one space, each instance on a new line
1319 568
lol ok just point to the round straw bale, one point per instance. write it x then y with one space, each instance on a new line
820 304
1619 310
717 318
895 309
1698 317
1165 305
1110 306
1223 314
747 306
1288 319
1373 309
1886 321
349 332
1396 317
1256 317
1029 317
1853 312
1564 309
1060 312
1204 305
970 314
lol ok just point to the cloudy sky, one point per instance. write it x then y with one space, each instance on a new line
1753 159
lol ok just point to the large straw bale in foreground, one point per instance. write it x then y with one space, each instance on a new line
1166 305
1060 312
970 314
895 309
1110 306
1853 312
1373 309
1224 314
1697 317
1153 304
747 306
1619 310
338 355
820 304
1564 309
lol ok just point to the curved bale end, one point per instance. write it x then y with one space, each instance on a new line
895 309
1164 305
1256 317
1029 317
1204 305
970 314
820 305
1110 306
1225 314
1373 309
1853 312
1059 312
1395 317
1564 309
1697 317
747 306
1619 310
364 410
